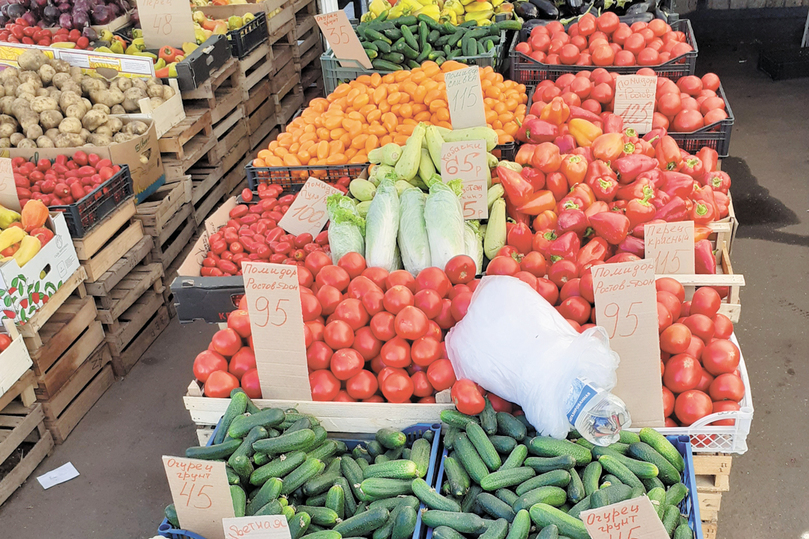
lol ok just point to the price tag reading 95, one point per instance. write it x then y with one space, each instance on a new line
671 246
201 494
342 38
276 322
166 22
467 161
635 101
465 98
8 189
308 212
626 307
257 527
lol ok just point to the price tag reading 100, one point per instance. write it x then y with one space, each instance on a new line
465 98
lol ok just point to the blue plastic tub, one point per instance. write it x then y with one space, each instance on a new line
688 507
413 433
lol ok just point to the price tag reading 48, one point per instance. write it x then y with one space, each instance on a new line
467 161
200 491
626 307
166 22
635 101
465 98
276 322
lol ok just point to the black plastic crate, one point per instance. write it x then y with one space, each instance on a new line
198 66
508 151
293 178
526 70
785 63
244 40
83 215
716 135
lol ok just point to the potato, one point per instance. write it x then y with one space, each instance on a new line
44 142
10 88
123 84
122 137
32 60
52 133
54 92
8 74
6 119
50 118
89 84
102 107
5 142
41 104
69 98
104 130
61 79
117 109
46 73
85 134
87 103
25 88
76 110
6 104
168 92
156 102
68 140
131 98
6 130
33 132
115 124
71 87
155 90
16 138
41 92
61 66
107 97
136 128
94 119
97 139
140 83
76 74
2 91
70 125
26 143
31 77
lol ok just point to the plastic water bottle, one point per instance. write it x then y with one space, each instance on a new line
596 413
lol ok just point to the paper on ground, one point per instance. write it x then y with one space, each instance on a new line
63 473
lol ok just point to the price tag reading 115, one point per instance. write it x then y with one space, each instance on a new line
276 322
671 246
467 161
465 98
201 494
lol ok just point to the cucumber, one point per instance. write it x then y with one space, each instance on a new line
506 478
460 522
507 496
683 531
408 20
445 532
390 438
660 444
305 422
392 33
590 477
508 425
171 515
302 474
293 441
671 517
541 464
545 446
619 470
318 501
508 25
425 52
267 493
520 525
384 531
374 35
325 450
555 478
423 33
628 437
483 445
363 523
609 479
213 452
398 45
233 477
676 493
392 503
431 498
409 52
393 57
488 418
610 495
583 505
643 470
242 466
279 467
246 449
409 37
429 22
433 36
348 495
274 507
405 523
384 65
359 452
667 473
543 515
503 444
654 482
515 458
637 492
323 534
496 530
554 496
468 501
549 532
393 469
323 482
459 480
575 489
449 437
260 459
269 417
298 525
470 459
322 516
236 407
657 496
494 506
456 419
420 455
377 487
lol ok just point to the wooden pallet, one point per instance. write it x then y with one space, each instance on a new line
304 22
311 75
286 108
66 409
24 389
208 203
173 246
139 327
712 472
284 82
309 44
101 234
255 68
226 98
709 530
229 134
186 143
283 54
265 142
73 286
159 208
226 76
260 113
137 254
24 442
126 293
304 8
236 176
313 92
281 26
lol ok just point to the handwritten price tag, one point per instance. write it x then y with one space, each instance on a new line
201 494
465 98
626 306
630 519
8 189
342 38
166 22
308 212
671 246
276 321
635 100
256 527
467 161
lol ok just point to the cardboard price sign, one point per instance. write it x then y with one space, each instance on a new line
630 519
467 161
166 22
276 321
201 494
626 306
465 98
671 246
342 38
8 189
256 527
308 212
635 101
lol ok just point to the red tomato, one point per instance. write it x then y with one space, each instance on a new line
328 297
338 334
226 342
325 386
500 404
603 56
397 387
669 104
241 362
373 301
352 312
461 269
664 317
710 81
570 288
713 116
362 385
704 381
434 331
434 279
635 43
608 22
671 285
333 276
206 362
460 304
361 286
353 264
251 385
305 278
692 406
366 343
701 326
429 302
467 398
675 339
569 54
421 385
401 277
343 396
239 321
346 363
377 275
682 373
540 43
316 327
219 384
523 47
723 327
696 347
382 326
575 308
503 265
706 301
624 58
318 356
458 289
720 356
562 271
687 121
425 351
310 307
587 24
548 290
315 261
691 85
725 406
410 323
397 298
668 402
711 103
445 319
396 353
727 386
440 374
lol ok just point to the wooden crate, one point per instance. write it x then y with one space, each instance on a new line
160 207
186 143
255 68
265 142
208 204
65 410
709 530
230 133
311 77
108 241
136 283
282 54
15 360
137 254
281 26
304 8
139 327
309 44
73 286
284 82
236 178
204 434
227 76
176 242
286 108
712 473
724 232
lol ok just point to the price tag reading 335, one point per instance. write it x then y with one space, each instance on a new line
308 212
342 38
201 494
465 98
626 306
166 22
467 161
635 101
671 246
276 322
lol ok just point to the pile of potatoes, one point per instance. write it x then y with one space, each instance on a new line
46 103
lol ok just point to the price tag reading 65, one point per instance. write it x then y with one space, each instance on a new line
467 161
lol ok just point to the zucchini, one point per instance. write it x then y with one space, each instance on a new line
495 507
470 459
496 530
460 522
515 458
393 469
459 480
420 455
302 474
619 470
520 525
322 516
456 419
267 493
404 523
575 489
431 498
236 407
508 425
293 441
279 467
484 446
590 477
610 495
213 452
545 446
269 417
506 478
555 478
503 444
363 523
661 444
541 464
554 496
543 515
378 487
298 525
667 473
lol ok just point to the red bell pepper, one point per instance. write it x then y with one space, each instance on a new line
631 166
596 207
545 220
520 134
595 249
518 189
169 54
583 151
633 245
623 257
44 234
668 153
702 232
612 123
566 143
709 158
556 183
556 112
574 167
693 166
611 226
702 213
599 169
678 184
571 221
656 177
514 214
638 231
569 202
704 259
584 114
675 210
524 154
585 193
534 177
605 189
546 157
723 203
618 205
521 238
538 131
565 246
660 199
640 188
640 210
644 148
543 240
539 202
718 180
704 193
608 147
654 136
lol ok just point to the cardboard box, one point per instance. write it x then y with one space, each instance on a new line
267 6
107 65
142 154
206 298
23 291
14 360
167 115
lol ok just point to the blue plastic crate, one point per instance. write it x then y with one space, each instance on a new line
688 507
413 433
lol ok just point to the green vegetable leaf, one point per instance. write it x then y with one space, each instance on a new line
7 301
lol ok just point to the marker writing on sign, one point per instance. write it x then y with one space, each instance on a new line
235 531
615 520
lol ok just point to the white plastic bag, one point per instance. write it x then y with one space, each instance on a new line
516 345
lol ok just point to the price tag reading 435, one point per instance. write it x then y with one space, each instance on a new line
467 161
635 101
201 494
276 322
465 98
342 38
166 22
308 212
626 306
671 246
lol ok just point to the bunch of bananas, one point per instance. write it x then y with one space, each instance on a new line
452 11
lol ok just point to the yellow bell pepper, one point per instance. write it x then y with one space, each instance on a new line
496 3
455 6
478 15
479 6
449 16
7 217
29 247
10 236
378 6
583 131
431 11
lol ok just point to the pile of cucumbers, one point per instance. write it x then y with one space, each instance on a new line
406 42
501 482
282 463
